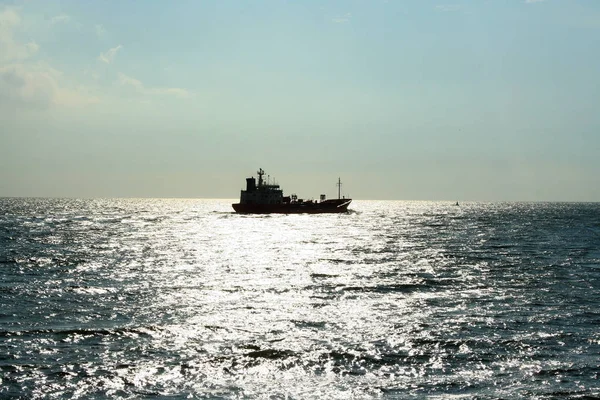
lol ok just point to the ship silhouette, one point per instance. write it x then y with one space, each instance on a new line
267 198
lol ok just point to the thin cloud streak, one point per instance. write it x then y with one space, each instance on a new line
60 19
342 19
139 87
448 7
109 56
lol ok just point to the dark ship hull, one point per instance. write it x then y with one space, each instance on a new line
267 198
327 206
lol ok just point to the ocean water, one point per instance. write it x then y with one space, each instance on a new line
126 298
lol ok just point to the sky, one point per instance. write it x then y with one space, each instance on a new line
482 100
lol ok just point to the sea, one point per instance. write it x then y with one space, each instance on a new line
183 298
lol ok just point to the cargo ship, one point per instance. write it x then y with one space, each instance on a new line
267 198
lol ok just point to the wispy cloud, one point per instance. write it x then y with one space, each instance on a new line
26 82
38 86
129 81
10 48
342 19
9 19
109 56
60 19
448 7
534 1
100 31
139 87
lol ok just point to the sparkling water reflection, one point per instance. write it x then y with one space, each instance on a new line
140 298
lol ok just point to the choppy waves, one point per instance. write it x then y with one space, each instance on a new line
145 298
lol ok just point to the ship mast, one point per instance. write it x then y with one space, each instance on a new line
339 185
260 176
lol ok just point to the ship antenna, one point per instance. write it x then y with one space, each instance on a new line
339 185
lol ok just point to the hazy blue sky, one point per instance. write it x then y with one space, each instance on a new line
423 100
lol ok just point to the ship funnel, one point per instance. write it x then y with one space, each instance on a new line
250 184
322 197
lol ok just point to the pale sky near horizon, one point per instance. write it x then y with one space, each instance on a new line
408 100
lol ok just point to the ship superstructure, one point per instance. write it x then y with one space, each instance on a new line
263 193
